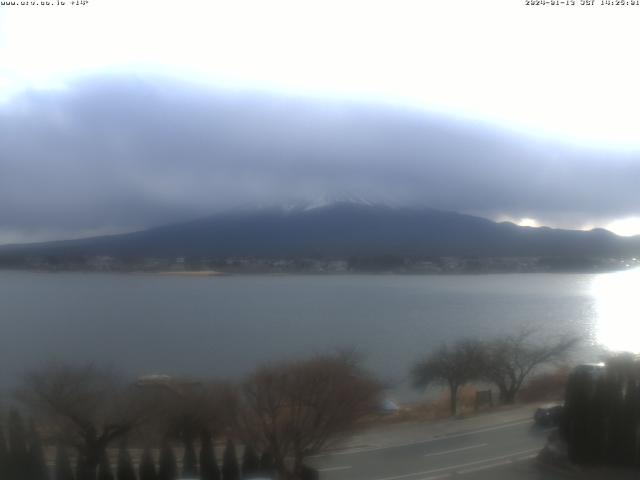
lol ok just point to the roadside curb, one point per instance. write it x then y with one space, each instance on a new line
548 460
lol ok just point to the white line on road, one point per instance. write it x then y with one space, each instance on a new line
482 430
527 457
460 465
496 464
333 469
483 467
437 477
420 442
462 449
493 459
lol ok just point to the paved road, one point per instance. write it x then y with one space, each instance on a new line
493 447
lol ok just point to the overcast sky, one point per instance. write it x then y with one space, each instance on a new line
121 115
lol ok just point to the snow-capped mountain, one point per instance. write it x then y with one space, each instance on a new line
341 228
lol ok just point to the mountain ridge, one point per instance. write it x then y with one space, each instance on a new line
340 229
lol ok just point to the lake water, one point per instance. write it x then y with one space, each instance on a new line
225 326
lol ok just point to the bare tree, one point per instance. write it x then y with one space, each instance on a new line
295 410
509 360
188 410
86 406
450 365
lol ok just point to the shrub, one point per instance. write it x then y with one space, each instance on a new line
37 465
63 470
168 468
125 470
208 465
250 462
147 466
104 468
230 468
189 459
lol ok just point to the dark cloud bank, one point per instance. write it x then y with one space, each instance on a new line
114 154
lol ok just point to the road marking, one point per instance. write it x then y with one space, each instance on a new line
460 465
527 457
501 457
462 449
333 469
496 464
484 467
406 475
420 442
486 429
437 477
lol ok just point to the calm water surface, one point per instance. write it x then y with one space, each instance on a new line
225 326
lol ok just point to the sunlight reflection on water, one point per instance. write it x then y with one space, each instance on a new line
617 296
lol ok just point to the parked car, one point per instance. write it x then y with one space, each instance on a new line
549 415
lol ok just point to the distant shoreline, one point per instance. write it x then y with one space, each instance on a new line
218 273
376 264
187 273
